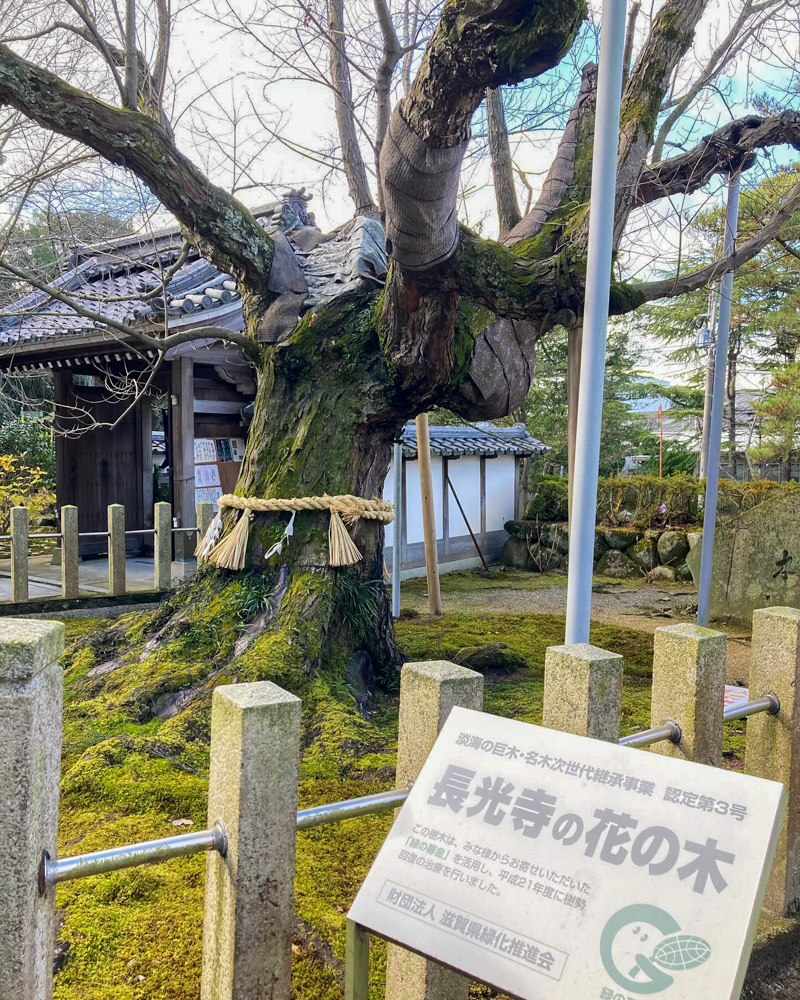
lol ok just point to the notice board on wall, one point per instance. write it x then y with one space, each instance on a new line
217 464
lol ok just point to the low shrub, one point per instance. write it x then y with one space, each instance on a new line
549 499
650 502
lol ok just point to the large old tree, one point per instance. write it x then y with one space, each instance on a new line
456 322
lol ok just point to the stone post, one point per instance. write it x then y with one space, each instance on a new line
69 551
205 515
428 691
689 688
583 691
773 741
249 903
162 552
30 761
19 554
116 549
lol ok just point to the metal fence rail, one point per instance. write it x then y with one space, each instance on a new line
154 851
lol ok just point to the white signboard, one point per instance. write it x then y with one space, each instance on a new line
206 475
208 494
204 450
554 866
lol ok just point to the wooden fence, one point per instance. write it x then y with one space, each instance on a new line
252 802
116 534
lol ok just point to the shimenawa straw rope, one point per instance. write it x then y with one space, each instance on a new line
231 551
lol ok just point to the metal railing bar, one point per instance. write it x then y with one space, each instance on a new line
149 852
669 731
742 709
186 529
141 531
367 805
92 534
56 534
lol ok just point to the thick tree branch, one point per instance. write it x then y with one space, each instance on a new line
505 192
484 44
352 161
563 187
223 229
691 171
669 39
722 55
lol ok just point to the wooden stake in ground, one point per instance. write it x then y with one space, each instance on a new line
428 518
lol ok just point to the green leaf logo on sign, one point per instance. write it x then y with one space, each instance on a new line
677 952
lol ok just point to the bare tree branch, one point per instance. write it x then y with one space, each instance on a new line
505 192
221 228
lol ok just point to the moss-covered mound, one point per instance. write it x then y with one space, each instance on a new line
136 760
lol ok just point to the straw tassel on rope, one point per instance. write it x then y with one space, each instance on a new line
231 552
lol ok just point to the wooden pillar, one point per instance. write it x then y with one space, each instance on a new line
574 347
145 417
182 456
428 517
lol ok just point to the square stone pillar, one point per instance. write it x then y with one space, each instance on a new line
249 903
689 688
773 741
70 555
583 691
162 552
30 765
19 554
428 692
116 549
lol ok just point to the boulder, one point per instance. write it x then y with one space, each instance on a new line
548 533
600 544
756 559
562 537
693 538
515 554
616 563
673 547
492 656
621 538
682 572
644 554
544 559
522 529
666 574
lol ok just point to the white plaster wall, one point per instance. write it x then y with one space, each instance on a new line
388 494
500 487
415 532
465 475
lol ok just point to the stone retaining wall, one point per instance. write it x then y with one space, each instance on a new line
627 553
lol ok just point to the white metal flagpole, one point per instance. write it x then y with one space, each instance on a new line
397 530
595 321
717 400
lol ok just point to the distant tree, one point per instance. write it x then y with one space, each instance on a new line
622 429
779 414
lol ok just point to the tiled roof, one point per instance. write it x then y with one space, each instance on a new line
128 267
487 441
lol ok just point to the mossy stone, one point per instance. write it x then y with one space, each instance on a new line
522 529
673 547
515 554
616 563
666 574
492 656
621 538
644 554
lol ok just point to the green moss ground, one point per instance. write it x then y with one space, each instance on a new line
128 774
